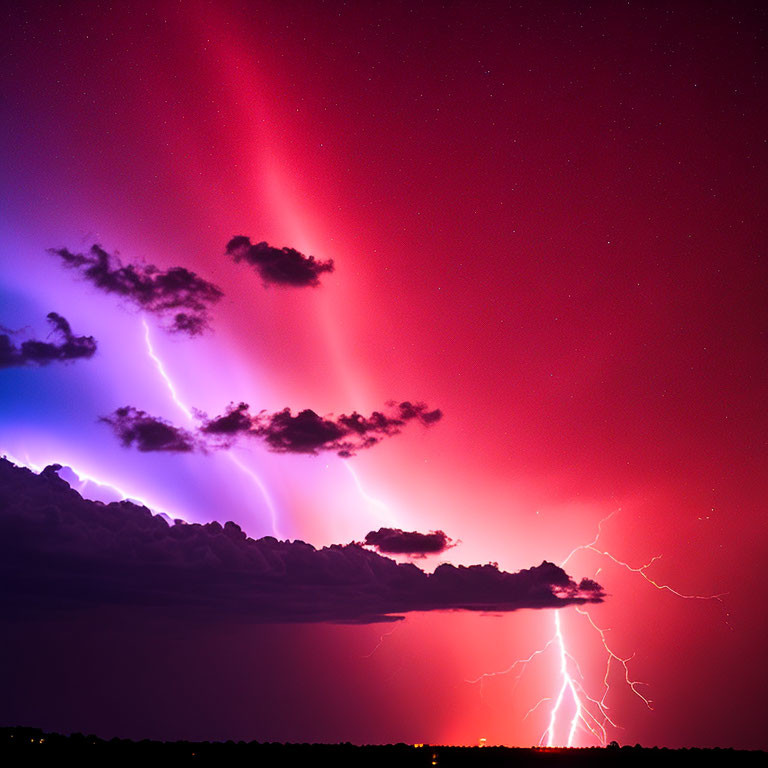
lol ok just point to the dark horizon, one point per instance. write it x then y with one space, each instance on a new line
25 737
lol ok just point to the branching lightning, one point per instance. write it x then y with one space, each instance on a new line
590 714
592 546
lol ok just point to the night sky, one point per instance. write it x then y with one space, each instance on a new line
546 305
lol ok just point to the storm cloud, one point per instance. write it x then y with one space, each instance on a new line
178 295
307 432
279 266
148 433
394 541
33 352
60 551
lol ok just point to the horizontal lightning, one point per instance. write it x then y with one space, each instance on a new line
85 477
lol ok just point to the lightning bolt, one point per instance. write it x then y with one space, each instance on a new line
568 684
590 714
381 640
163 373
190 417
389 518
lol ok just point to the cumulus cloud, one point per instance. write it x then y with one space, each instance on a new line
307 432
394 541
148 433
58 550
279 266
178 295
33 352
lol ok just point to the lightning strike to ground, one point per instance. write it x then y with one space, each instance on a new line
590 714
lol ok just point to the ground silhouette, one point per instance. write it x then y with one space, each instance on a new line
32 746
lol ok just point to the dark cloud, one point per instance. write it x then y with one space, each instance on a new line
58 551
306 432
394 541
30 352
279 266
236 420
181 297
149 433
589 585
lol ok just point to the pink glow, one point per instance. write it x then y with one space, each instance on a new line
545 223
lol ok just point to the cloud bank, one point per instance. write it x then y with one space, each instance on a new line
279 266
35 352
59 551
177 295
